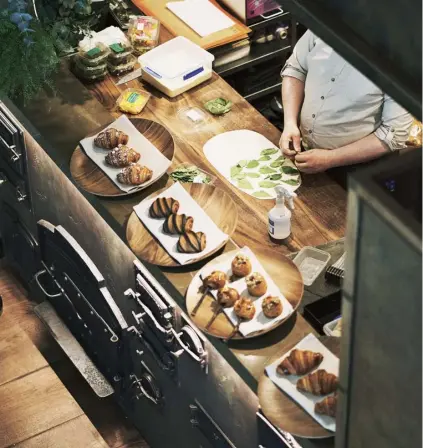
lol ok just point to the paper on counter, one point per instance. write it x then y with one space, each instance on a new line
202 223
151 157
260 321
288 383
201 15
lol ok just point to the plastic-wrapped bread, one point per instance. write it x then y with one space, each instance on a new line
122 156
111 138
163 207
175 224
192 242
135 175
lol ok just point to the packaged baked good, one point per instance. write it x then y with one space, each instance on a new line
94 57
143 33
133 101
120 53
88 73
123 68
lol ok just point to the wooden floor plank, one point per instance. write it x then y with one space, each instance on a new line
18 356
78 432
34 404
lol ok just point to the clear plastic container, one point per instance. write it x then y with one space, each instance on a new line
125 67
143 33
192 116
311 262
176 66
133 101
120 53
96 56
329 328
88 73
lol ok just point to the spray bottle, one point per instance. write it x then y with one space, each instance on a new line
280 215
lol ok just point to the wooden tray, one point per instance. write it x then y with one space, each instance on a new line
283 272
282 410
91 178
215 202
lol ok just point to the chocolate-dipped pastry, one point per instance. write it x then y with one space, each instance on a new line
192 242
216 280
244 308
111 138
178 224
122 156
135 175
241 265
227 296
272 306
163 207
256 284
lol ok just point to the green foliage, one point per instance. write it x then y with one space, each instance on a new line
24 69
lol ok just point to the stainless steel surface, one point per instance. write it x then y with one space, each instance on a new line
73 350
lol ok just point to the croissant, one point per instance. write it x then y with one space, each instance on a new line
135 175
111 138
122 156
299 362
327 406
318 383
178 224
227 296
216 280
192 242
244 308
272 306
163 207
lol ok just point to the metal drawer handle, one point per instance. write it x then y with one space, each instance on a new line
37 279
279 11
3 178
201 358
20 195
15 156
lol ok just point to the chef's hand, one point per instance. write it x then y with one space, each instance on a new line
290 133
314 161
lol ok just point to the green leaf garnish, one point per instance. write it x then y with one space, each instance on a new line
268 184
252 164
235 170
239 176
274 177
218 106
261 194
264 158
291 181
245 185
269 151
242 163
267 170
276 163
254 175
289 170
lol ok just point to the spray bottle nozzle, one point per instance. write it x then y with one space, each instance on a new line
282 195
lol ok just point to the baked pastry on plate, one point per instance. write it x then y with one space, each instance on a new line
318 383
192 242
241 265
227 296
327 406
256 284
216 280
111 138
134 175
272 306
122 156
163 207
299 362
244 308
178 224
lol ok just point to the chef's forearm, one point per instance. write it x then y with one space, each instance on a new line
292 99
364 150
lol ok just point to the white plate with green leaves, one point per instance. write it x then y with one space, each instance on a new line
252 163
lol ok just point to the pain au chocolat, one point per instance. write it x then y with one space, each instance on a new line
111 138
318 383
175 224
135 175
122 156
299 362
163 207
192 242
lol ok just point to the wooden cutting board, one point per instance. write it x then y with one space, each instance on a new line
158 9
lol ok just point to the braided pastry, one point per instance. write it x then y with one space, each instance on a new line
111 138
178 224
134 175
122 156
163 207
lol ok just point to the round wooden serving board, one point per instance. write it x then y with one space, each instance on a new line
284 412
283 272
216 203
91 178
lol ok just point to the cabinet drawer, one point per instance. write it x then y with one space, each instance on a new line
13 187
12 143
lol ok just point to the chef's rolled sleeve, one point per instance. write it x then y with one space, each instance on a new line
395 126
297 66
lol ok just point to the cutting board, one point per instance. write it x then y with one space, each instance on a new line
158 9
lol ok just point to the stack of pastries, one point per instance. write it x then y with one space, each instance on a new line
228 297
318 383
178 224
122 156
